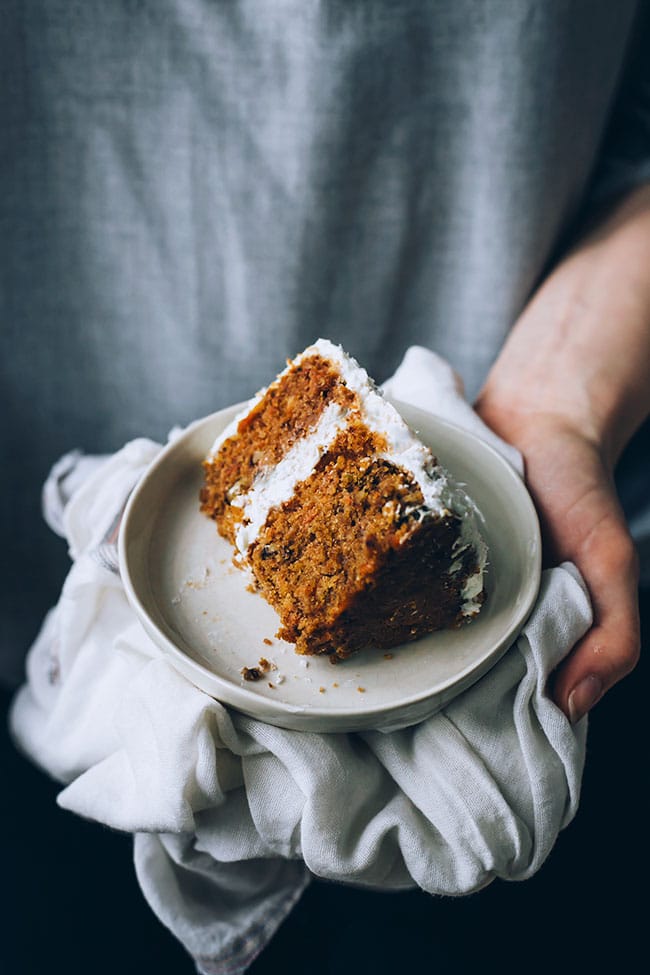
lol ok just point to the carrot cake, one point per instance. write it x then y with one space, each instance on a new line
350 528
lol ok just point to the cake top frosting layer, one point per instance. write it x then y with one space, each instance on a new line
441 494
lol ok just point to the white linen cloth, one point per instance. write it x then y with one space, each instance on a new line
232 816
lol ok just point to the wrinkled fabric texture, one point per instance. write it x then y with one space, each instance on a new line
232 816
193 190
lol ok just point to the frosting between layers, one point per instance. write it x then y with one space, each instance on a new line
442 496
275 485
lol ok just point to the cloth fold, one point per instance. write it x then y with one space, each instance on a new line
232 816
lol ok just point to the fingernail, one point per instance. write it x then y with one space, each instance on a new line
583 697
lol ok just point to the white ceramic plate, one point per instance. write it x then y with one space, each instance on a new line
196 605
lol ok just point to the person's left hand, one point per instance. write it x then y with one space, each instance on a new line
582 522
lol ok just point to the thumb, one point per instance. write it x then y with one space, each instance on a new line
611 648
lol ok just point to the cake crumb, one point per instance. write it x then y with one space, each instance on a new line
251 673
265 665
268 642
361 690
321 690
272 686
388 656
335 684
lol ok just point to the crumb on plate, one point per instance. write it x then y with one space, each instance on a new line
251 673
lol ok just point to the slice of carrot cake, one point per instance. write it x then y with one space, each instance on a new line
351 529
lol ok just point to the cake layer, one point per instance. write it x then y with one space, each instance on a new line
259 439
348 563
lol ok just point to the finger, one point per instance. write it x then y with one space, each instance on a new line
610 649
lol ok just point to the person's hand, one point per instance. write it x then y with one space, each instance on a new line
571 484
570 387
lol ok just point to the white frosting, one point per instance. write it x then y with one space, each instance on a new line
275 485
442 495
402 446
473 587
